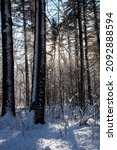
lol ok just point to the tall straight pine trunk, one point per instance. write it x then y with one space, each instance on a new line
96 25
81 82
8 104
26 55
86 53
38 85
76 62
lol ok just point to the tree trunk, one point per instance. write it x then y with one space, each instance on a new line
8 62
76 63
96 25
86 53
38 86
26 55
81 87
54 41
59 63
70 67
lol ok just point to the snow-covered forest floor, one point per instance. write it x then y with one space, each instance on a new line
21 134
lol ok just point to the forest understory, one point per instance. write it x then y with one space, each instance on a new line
66 133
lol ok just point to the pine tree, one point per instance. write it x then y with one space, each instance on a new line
8 104
96 24
86 53
38 85
81 82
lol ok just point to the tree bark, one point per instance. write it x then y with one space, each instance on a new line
76 63
96 25
81 86
38 86
8 62
86 53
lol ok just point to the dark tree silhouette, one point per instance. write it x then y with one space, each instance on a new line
38 86
8 104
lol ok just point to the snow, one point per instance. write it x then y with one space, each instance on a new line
21 134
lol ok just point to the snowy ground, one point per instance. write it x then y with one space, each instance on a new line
22 134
